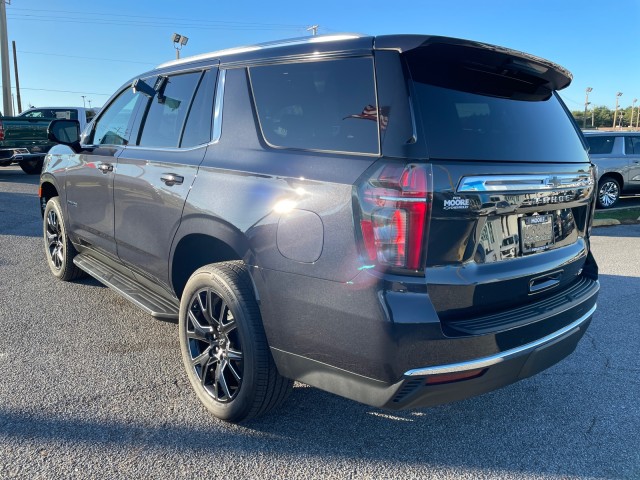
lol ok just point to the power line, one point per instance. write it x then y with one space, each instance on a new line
172 19
86 58
61 91
150 24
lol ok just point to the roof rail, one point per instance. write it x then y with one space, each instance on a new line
263 46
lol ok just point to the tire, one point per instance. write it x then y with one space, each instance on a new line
32 167
608 192
224 347
58 248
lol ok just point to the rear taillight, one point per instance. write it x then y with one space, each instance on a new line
1 131
395 206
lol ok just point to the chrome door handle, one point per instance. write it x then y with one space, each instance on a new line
105 167
171 179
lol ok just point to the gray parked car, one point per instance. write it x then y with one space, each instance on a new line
617 156
402 220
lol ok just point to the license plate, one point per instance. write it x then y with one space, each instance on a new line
536 233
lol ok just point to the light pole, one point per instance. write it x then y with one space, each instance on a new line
313 29
83 104
586 104
179 41
633 106
615 114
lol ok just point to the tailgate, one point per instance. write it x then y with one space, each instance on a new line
500 238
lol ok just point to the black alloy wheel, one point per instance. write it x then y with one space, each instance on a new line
214 346
54 238
608 192
58 248
224 345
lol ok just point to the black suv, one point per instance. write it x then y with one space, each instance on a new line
402 220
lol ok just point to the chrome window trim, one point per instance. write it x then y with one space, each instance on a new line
502 356
524 183
218 105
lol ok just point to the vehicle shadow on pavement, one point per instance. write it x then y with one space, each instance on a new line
579 418
16 175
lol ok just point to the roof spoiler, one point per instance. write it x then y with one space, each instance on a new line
483 55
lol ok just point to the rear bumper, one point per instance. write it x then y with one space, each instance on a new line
423 387
420 387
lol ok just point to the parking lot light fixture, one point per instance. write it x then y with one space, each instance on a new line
633 106
179 41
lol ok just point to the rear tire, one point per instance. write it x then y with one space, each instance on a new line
32 167
224 347
58 248
608 192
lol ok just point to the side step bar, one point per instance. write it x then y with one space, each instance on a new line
148 300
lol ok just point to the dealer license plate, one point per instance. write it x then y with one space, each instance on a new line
536 233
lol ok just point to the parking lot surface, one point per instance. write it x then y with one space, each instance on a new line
92 387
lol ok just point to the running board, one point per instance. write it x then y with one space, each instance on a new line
148 300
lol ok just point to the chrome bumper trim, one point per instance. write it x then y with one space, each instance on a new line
499 357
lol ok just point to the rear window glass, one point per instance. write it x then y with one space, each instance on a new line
599 144
168 110
329 105
505 124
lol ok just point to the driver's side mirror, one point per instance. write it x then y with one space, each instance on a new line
65 132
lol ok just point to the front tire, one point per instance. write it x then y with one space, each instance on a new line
32 167
224 347
608 192
58 248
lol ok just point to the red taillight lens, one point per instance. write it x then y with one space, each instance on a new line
1 131
394 208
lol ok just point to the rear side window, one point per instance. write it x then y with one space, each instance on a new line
66 114
469 114
329 105
168 110
198 128
600 144
632 145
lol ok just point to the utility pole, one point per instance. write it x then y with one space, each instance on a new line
313 29
586 104
4 52
15 70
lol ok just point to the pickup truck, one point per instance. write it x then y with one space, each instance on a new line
23 139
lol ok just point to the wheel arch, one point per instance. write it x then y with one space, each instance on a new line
617 176
47 191
200 242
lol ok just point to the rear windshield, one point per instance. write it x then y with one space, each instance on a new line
600 144
464 117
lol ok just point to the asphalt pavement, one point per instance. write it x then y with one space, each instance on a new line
92 387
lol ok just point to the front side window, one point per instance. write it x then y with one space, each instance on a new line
329 105
168 110
600 144
112 128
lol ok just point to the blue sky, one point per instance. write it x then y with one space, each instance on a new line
80 47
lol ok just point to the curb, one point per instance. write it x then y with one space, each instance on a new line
605 222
